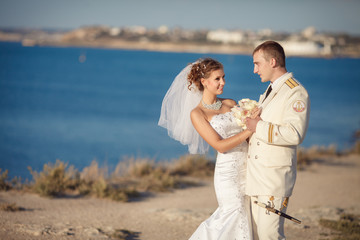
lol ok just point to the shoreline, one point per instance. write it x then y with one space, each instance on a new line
142 46
164 47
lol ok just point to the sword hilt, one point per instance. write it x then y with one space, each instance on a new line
281 214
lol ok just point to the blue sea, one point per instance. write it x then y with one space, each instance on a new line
85 104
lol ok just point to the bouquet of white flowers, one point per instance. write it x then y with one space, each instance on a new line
243 110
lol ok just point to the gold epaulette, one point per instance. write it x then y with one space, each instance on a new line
291 83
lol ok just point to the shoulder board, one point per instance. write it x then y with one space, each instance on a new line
291 83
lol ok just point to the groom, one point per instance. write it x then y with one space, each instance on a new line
281 127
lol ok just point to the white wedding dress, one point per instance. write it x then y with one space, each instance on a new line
230 220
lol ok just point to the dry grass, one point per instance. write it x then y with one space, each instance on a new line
94 181
10 207
130 177
54 179
102 188
133 176
356 139
147 175
306 156
356 148
4 184
93 172
346 228
193 165
137 168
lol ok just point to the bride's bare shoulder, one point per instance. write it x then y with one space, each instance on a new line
197 113
229 102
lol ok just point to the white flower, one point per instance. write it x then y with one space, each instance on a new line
243 110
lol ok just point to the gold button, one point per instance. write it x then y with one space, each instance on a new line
258 143
248 156
256 157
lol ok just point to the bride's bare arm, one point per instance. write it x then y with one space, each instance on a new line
205 130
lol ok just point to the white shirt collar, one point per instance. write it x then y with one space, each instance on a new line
277 81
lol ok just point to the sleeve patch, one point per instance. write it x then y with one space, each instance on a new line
299 106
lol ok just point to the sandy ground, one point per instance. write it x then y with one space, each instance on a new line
323 190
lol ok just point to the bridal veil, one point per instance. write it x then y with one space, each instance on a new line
176 107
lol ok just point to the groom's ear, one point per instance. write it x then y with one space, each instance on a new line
273 62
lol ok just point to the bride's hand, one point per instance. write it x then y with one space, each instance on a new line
255 112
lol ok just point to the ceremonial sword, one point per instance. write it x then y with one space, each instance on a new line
281 214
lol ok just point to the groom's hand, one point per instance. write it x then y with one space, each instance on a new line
252 122
255 112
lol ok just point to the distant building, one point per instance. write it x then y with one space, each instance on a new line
163 29
224 36
140 30
309 32
265 32
115 31
302 48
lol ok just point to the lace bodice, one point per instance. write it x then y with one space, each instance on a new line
225 125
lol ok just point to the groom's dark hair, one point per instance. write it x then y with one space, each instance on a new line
272 49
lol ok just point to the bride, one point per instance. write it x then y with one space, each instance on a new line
192 113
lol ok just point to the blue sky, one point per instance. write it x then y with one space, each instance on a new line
278 15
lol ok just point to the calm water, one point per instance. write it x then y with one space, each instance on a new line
53 106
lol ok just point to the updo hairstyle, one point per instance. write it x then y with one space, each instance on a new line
202 69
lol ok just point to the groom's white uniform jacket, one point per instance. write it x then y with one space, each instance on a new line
271 166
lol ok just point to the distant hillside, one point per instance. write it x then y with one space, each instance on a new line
306 43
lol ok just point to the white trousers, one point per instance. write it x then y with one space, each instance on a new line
267 225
